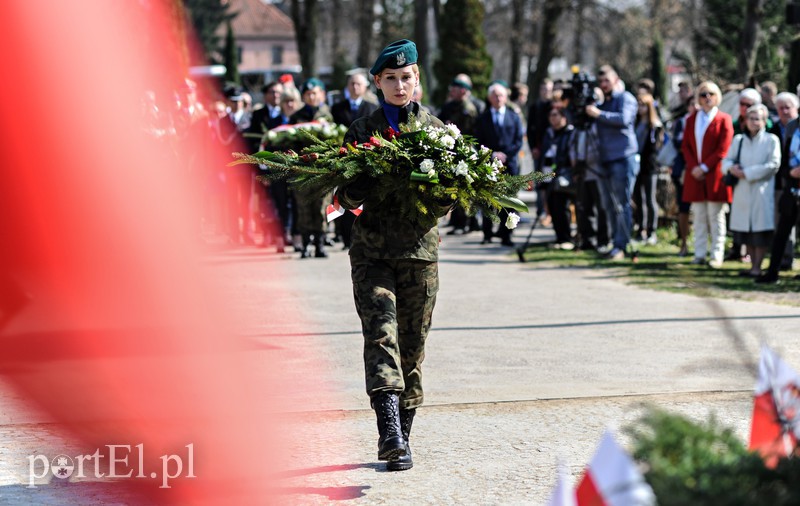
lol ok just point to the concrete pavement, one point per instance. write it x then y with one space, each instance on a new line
525 365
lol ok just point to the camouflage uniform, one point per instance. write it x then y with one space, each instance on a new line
310 208
395 278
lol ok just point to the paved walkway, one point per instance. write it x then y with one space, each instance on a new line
526 364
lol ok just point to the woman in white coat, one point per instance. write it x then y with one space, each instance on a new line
753 160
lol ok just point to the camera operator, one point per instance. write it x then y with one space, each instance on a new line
618 153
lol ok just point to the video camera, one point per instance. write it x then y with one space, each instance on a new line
580 93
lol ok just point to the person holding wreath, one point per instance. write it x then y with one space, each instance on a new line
393 265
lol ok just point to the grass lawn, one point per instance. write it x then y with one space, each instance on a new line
659 267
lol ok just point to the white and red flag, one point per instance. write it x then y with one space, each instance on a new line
335 210
776 408
612 479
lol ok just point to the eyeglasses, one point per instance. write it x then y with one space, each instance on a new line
705 94
745 104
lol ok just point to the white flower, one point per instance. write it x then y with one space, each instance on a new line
454 131
485 151
462 168
291 131
497 164
493 175
448 141
272 135
512 220
426 165
469 178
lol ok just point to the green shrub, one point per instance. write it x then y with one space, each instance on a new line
694 464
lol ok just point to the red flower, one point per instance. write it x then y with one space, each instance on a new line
390 133
374 141
308 158
342 151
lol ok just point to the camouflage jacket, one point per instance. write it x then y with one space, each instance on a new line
380 232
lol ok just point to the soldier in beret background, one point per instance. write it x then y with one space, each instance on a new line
393 266
310 209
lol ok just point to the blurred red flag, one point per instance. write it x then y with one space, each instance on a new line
776 408
108 320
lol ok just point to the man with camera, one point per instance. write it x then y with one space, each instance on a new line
619 150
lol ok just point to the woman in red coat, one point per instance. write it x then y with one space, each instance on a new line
706 140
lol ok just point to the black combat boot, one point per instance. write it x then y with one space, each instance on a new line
404 462
390 440
319 246
305 252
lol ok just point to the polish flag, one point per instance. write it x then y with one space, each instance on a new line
335 210
563 494
776 408
612 479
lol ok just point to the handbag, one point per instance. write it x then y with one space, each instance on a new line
667 154
729 179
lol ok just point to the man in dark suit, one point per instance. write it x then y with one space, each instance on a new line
344 113
499 128
355 106
261 119
787 204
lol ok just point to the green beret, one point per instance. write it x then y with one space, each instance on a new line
311 83
461 84
396 55
501 82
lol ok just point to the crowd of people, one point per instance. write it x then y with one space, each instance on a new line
605 160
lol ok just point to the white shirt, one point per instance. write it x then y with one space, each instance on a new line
497 115
700 126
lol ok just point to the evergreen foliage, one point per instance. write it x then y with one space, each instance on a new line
706 464
718 42
429 167
658 71
462 47
206 16
231 57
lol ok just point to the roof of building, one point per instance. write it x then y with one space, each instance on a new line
258 18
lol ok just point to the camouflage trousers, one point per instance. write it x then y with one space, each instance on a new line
395 300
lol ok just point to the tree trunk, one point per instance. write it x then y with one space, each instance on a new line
336 28
580 28
517 39
421 8
366 18
750 38
551 12
305 16
794 65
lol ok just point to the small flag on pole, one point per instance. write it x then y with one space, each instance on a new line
776 408
563 494
612 479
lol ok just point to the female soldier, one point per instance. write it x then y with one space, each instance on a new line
393 267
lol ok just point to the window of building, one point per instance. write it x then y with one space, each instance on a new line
277 55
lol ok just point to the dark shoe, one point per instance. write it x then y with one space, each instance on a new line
404 462
507 242
747 273
486 240
319 247
391 444
767 278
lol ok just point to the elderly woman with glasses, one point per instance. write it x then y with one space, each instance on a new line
753 160
706 141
